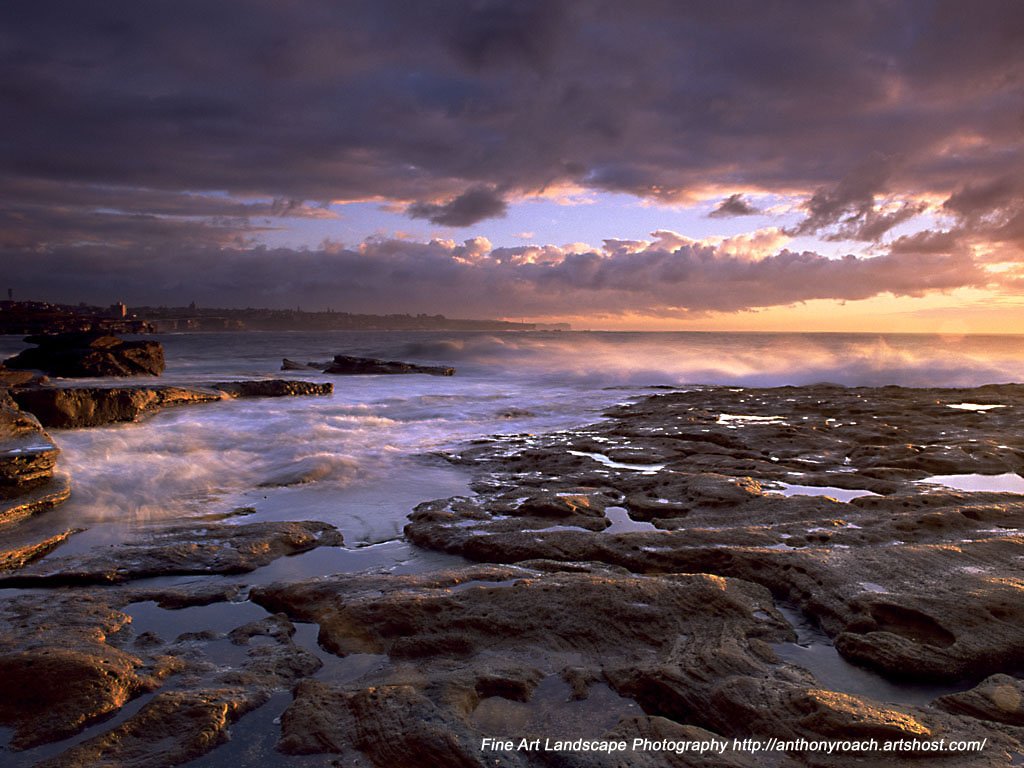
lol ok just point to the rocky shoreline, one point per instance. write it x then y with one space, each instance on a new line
636 578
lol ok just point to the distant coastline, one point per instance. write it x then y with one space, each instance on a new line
28 317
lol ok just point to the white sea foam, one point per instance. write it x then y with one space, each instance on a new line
351 456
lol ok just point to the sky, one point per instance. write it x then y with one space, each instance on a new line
851 166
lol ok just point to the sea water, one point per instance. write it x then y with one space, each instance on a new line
362 458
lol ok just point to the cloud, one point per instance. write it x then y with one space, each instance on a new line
992 211
851 210
150 147
734 205
667 276
470 207
973 200
40 214
870 224
850 201
358 100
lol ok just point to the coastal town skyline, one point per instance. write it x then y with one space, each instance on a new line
854 167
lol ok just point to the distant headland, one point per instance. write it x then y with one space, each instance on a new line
27 317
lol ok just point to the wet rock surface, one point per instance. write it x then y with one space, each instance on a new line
11 379
27 453
20 550
999 698
58 672
272 388
172 729
916 580
362 366
73 407
27 482
472 649
559 654
637 578
186 549
191 687
84 354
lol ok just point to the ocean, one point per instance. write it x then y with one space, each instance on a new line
364 457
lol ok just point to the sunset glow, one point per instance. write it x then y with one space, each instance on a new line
840 167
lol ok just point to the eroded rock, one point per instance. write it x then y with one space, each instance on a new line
272 388
180 550
487 632
17 551
71 407
11 379
912 579
69 659
58 670
630 593
27 482
692 652
360 366
87 353
999 698
173 728
74 407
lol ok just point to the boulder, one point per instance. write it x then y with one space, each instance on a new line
85 354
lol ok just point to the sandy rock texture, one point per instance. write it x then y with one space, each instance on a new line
58 670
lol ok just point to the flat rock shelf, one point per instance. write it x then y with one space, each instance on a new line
657 575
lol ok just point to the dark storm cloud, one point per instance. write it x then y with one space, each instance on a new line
849 201
493 33
39 214
994 209
734 205
471 206
927 241
663 277
37 230
992 212
973 200
423 100
204 107
869 225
